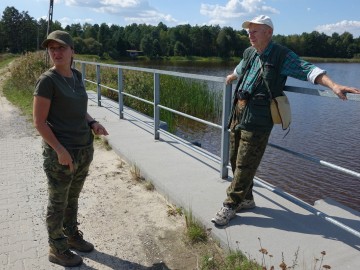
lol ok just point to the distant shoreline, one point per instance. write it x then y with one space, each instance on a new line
197 59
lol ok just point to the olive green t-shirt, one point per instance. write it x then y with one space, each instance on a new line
68 108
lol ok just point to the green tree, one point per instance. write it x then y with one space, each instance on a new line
225 40
104 37
12 21
133 36
156 48
147 45
92 46
348 44
118 44
75 30
89 31
180 49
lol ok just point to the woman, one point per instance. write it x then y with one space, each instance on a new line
60 115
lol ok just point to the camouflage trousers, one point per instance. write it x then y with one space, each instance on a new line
64 189
246 151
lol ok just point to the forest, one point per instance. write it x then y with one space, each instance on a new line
20 33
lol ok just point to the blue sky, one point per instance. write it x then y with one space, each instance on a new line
289 16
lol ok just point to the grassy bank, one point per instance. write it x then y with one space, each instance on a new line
188 96
185 95
19 88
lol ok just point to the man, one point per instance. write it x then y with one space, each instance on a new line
264 68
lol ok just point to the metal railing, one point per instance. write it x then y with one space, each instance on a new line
223 160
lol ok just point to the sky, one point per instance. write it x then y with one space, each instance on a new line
289 16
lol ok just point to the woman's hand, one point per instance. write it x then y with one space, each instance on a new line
99 129
65 158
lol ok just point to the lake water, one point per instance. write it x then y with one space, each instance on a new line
325 128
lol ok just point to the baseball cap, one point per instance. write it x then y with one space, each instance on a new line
59 36
262 19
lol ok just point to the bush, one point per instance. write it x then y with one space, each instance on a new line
27 70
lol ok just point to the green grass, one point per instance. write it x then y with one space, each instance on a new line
185 95
5 59
25 71
21 99
195 231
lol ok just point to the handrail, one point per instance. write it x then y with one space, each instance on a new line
306 206
191 117
224 159
316 160
226 105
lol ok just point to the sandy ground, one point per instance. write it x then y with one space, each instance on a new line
129 225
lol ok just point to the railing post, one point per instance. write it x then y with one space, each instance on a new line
83 72
120 93
98 82
156 108
227 93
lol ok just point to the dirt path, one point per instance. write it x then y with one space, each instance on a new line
129 226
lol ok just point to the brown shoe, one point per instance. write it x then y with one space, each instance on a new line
77 242
66 258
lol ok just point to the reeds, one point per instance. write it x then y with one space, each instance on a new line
188 96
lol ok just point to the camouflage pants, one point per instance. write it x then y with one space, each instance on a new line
64 188
246 151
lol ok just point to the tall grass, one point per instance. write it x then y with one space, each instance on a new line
25 71
185 95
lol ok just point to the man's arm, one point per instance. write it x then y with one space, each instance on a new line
338 89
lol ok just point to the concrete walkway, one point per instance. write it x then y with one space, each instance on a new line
287 231
187 179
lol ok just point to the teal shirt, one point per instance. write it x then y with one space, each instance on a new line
293 67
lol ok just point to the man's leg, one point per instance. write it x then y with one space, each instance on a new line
252 145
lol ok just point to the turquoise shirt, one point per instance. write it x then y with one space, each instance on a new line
293 67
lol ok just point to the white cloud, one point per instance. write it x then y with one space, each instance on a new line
150 17
67 21
140 11
134 11
235 10
352 27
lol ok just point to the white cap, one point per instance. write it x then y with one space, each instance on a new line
262 19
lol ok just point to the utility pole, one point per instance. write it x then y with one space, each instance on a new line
51 8
50 16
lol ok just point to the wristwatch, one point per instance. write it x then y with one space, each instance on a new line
92 122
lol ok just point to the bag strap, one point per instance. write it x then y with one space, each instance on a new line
245 70
265 82
271 97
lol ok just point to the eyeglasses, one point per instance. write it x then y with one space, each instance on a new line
254 32
53 49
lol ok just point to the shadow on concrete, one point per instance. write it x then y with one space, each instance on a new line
304 224
114 262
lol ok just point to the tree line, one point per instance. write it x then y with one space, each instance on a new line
19 33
